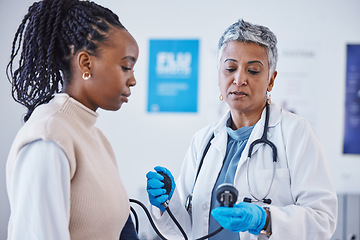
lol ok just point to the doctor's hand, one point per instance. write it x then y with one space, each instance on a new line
160 186
241 217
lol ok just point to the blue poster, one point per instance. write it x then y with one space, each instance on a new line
352 102
173 75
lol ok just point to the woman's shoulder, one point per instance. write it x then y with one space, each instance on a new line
46 122
212 128
291 120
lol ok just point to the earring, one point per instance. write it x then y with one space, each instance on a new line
268 98
221 97
86 75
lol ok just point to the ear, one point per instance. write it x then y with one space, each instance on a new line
84 61
272 80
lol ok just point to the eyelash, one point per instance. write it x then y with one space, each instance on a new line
253 72
126 69
231 70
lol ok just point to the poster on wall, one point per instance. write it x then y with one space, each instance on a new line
297 70
352 101
173 76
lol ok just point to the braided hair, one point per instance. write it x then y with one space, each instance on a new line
50 34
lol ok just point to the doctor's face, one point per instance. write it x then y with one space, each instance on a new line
244 76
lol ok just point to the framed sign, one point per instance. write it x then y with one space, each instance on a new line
173 76
352 102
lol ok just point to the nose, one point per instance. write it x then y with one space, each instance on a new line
132 80
240 78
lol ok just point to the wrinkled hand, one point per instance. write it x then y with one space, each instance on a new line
156 188
241 217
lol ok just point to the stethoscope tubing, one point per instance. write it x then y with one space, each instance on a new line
262 140
248 183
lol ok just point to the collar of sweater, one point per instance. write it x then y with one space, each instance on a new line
75 109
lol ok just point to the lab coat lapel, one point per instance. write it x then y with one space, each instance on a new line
213 159
220 143
258 131
220 140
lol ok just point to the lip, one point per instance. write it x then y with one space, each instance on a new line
238 94
125 97
126 94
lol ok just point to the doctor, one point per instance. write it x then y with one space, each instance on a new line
303 200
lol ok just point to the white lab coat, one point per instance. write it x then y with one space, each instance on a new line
304 202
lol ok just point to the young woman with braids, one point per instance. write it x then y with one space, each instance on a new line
62 175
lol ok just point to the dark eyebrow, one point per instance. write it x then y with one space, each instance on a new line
129 57
256 61
230 59
233 60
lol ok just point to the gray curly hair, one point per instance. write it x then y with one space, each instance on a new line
246 32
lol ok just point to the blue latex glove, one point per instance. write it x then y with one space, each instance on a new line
241 217
156 188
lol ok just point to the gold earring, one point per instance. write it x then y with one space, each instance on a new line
86 75
221 97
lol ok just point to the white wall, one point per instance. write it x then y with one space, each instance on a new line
142 141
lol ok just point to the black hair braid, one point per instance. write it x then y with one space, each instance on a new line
49 36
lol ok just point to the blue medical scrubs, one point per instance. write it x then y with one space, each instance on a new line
236 143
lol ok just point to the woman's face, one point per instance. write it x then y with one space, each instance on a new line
244 76
111 71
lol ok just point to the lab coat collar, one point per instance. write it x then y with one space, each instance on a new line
274 119
220 139
275 113
220 135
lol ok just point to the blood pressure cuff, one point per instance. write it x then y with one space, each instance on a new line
129 232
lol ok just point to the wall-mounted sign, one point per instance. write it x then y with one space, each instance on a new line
352 102
173 76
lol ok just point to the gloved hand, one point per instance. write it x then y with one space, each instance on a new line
159 191
241 217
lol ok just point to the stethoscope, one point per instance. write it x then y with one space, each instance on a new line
263 140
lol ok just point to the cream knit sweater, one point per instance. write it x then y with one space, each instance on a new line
99 203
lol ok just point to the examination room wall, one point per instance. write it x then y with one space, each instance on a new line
312 38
